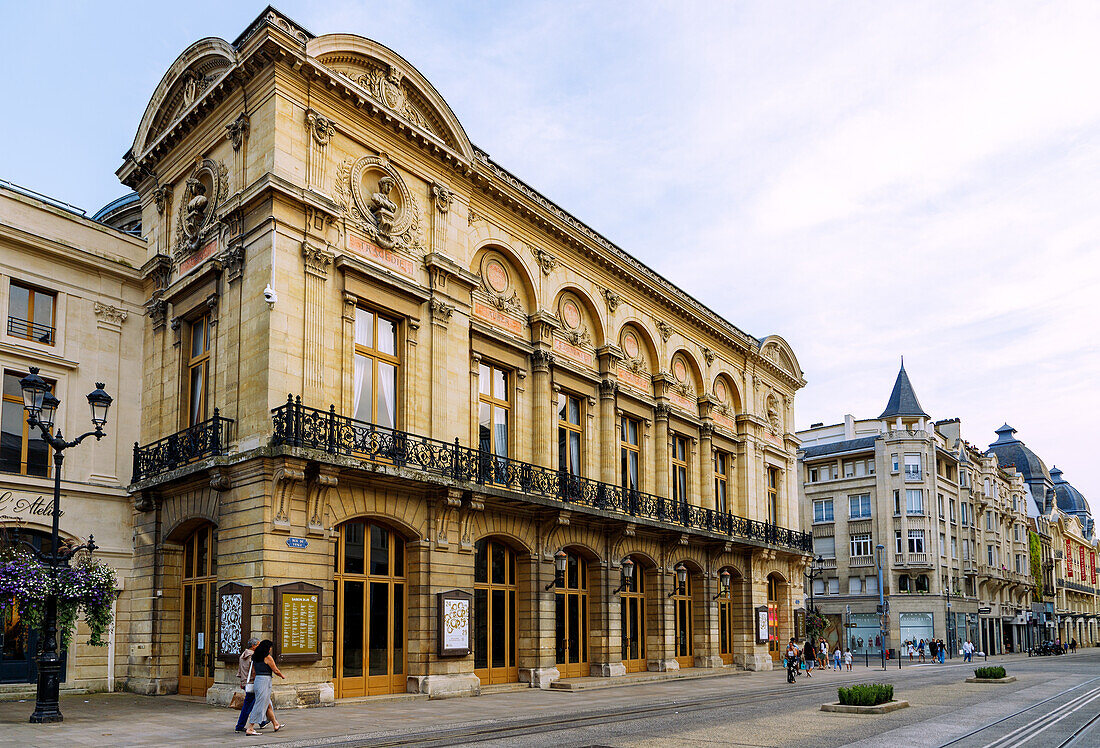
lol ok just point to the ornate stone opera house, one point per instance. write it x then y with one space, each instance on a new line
379 367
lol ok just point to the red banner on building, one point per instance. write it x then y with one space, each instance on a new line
1069 560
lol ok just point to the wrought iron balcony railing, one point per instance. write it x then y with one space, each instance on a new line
297 425
201 440
21 328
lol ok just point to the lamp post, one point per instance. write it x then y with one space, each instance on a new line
815 571
41 407
880 551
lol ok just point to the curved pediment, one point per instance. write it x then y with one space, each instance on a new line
392 82
776 350
190 76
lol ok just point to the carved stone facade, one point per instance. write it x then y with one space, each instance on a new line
385 284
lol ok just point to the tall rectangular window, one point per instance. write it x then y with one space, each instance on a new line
897 501
679 468
914 501
494 409
22 449
823 510
825 546
912 467
198 369
569 434
894 463
989 519
721 480
859 506
939 501
916 541
31 313
773 495
630 452
954 547
951 505
376 364
898 546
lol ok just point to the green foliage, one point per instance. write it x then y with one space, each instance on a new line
1036 563
989 672
815 624
866 694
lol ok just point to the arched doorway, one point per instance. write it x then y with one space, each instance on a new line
369 587
729 602
571 618
684 622
18 641
774 585
632 606
495 612
197 611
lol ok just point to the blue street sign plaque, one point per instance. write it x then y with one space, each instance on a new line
297 542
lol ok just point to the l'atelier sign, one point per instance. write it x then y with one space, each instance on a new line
32 506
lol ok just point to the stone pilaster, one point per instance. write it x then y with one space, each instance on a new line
317 263
321 131
604 621
706 466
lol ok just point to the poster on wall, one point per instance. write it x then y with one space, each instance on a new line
234 620
455 610
762 624
297 622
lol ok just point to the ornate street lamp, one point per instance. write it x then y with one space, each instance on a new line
561 558
626 575
41 407
816 570
723 583
681 578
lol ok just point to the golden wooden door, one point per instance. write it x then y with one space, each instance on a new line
773 620
571 619
495 612
198 633
370 589
684 623
725 628
632 603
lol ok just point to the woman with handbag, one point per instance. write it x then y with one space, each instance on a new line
263 664
245 674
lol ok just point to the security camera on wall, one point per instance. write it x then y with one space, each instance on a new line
270 296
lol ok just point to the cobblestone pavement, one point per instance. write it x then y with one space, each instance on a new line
746 709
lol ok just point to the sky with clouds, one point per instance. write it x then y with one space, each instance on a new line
866 179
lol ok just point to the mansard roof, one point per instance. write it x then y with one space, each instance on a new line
1012 451
903 400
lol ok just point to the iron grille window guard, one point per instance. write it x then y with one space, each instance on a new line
297 425
27 330
201 440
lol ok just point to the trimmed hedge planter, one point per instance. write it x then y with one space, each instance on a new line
866 698
991 675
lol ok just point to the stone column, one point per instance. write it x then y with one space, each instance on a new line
317 262
660 623
609 429
660 448
604 621
706 466
537 634
541 361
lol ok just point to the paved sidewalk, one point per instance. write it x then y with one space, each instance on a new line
122 719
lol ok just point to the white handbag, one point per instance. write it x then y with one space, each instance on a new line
249 687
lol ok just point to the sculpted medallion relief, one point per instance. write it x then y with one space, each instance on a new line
205 189
573 328
498 285
378 202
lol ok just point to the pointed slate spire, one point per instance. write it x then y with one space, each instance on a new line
903 400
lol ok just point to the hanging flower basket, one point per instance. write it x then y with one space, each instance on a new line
87 585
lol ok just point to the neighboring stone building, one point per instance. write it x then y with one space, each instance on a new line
915 488
72 300
479 384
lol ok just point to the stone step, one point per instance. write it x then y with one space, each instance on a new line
503 688
593 683
26 691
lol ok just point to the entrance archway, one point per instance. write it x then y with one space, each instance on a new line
571 618
369 587
495 612
18 641
684 622
197 611
632 606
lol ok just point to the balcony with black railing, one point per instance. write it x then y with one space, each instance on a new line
27 330
296 425
206 439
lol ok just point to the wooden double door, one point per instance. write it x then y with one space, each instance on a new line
684 623
370 590
198 621
495 613
571 619
632 607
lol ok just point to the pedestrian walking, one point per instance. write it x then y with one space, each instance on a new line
263 666
836 658
942 649
932 649
968 651
792 660
1073 645
920 651
909 650
824 654
848 659
809 655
